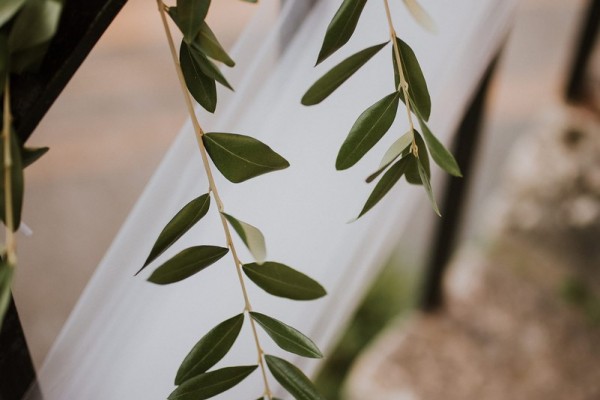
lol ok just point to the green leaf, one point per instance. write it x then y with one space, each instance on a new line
440 154
187 263
190 16
206 66
286 337
338 75
419 13
29 155
17 181
388 180
395 151
6 277
341 27
412 171
8 8
212 383
292 379
182 222
240 157
427 185
202 87
417 87
35 24
368 129
207 42
283 281
251 236
210 349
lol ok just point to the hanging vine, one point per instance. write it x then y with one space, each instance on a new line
238 158
408 156
26 28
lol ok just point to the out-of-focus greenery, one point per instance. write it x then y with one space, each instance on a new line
577 293
392 293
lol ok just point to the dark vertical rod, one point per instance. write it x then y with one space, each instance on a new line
455 195
16 368
575 90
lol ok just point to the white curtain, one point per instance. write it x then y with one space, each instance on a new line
126 337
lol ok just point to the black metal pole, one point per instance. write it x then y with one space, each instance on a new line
16 368
575 90
455 195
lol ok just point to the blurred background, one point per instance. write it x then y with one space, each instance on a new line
111 126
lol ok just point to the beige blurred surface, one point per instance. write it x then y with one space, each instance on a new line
117 117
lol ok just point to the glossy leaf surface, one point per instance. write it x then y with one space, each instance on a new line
368 129
292 379
182 222
187 263
341 27
207 42
329 82
251 236
417 86
211 383
206 66
286 337
439 153
202 87
388 180
190 16
283 281
240 157
210 349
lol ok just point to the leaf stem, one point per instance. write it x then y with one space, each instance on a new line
11 243
213 188
403 85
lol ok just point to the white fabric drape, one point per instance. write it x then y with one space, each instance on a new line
126 337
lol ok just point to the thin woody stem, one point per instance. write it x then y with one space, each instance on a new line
213 188
403 85
11 243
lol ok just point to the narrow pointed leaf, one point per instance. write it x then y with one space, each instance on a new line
29 155
182 222
427 186
210 349
439 153
8 8
368 129
419 13
6 277
412 171
392 154
283 281
417 86
206 66
251 236
201 86
292 379
187 263
240 157
190 15
207 42
16 178
388 180
341 27
338 75
35 24
211 383
286 337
